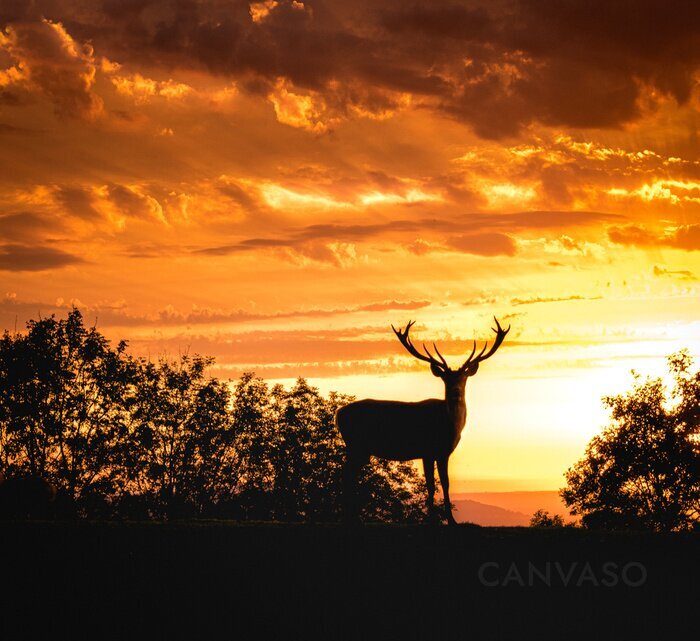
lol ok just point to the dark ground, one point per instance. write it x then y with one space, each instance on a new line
229 581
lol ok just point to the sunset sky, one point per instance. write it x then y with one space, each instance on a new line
275 183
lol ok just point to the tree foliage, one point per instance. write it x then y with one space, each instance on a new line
179 432
644 469
129 437
64 406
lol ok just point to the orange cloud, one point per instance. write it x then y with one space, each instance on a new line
673 191
47 59
118 313
34 258
142 89
490 244
686 237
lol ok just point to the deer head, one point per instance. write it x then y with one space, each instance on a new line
454 379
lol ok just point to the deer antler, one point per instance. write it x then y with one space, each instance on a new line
500 335
411 348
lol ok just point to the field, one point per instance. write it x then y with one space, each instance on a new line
207 580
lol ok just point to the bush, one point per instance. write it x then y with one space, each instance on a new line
643 471
541 518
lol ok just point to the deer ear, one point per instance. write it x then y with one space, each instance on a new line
473 369
435 370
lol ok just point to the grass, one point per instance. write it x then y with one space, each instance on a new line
214 579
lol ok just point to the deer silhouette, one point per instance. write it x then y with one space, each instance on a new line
402 431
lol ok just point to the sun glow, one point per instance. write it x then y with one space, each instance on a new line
411 196
501 193
280 197
674 191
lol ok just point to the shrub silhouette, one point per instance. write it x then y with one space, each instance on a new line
542 518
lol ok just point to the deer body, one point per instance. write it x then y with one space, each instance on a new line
401 431
429 430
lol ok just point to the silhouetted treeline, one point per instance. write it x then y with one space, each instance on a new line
124 437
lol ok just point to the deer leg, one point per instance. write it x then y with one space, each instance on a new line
445 482
351 469
429 471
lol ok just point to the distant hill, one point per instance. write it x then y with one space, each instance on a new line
487 515
505 508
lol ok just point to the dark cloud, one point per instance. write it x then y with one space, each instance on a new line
680 274
575 62
473 233
570 244
47 59
481 300
486 244
239 195
394 304
421 247
632 235
490 244
686 237
26 226
552 219
132 203
537 299
443 20
24 258
77 201
84 202
6 129
217 316
14 97
494 65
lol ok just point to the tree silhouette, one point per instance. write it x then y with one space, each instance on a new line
306 456
644 470
180 430
128 437
63 406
